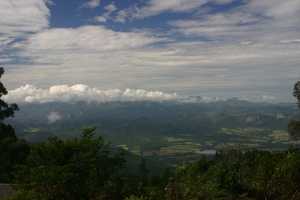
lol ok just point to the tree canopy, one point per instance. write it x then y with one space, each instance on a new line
294 125
79 168
13 151
296 92
6 110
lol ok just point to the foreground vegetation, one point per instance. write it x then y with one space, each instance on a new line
87 168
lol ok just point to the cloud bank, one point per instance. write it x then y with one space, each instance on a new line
80 92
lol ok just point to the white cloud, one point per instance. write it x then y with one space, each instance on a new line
121 16
155 7
4 58
100 19
110 9
290 41
91 4
85 39
53 117
243 98
211 99
19 17
269 98
275 8
222 2
246 43
236 26
258 20
79 92
49 2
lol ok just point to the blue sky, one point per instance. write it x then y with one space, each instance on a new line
54 50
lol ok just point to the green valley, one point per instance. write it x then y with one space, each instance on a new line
170 132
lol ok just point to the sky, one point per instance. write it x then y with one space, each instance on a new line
54 50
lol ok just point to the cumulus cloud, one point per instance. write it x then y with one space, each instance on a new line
269 98
91 4
53 117
80 92
110 9
121 16
100 19
211 99
243 98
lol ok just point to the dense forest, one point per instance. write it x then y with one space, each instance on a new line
87 167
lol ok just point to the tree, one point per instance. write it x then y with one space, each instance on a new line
294 125
296 92
81 168
6 110
294 128
285 181
13 151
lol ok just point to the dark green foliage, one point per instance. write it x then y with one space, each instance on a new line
6 110
239 175
12 150
143 169
286 177
294 125
294 128
73 169
83 169
144 184
296 92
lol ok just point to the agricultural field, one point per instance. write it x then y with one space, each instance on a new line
180 149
